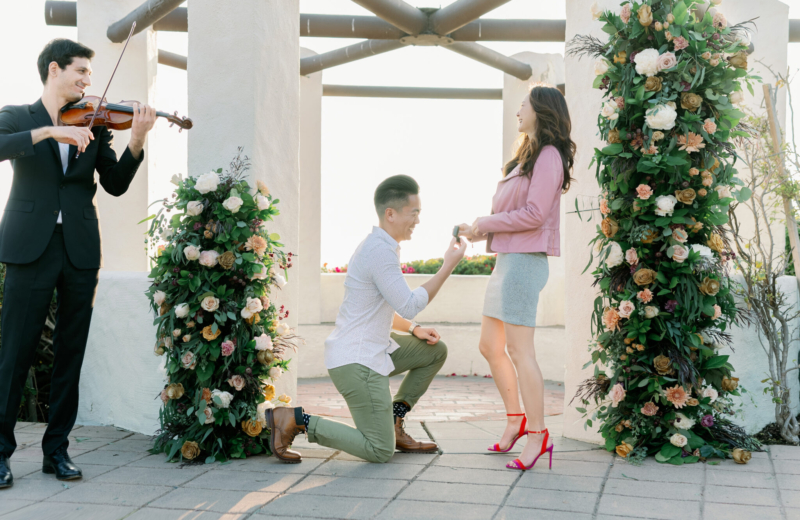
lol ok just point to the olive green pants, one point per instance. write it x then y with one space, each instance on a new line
370 400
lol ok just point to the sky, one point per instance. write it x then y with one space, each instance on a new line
452 147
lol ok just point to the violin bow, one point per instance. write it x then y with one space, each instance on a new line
97 109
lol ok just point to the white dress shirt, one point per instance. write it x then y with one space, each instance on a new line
374 289
64 149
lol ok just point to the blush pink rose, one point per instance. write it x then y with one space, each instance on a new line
616 394
649 409
164 396
644 192
626 308
263 342
717 312
620 102
188 360
631 257
604 207
625 14
679 253
680 43
237 382
666 61
209 258
227 348
265 302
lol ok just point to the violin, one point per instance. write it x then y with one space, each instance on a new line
116 116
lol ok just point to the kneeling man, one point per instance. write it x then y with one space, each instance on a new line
362 352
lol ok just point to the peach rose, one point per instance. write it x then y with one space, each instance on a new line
645 295
679 253
616 394
609 227
209 335
237 382
666 61
631 257
649 409
611 318
709 126
644 192
717 312
624 449
680 235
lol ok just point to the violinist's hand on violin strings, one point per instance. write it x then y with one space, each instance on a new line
75 135
144 118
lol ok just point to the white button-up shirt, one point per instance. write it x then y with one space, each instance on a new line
374 289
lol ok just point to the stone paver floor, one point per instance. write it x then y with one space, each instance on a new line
463 482
457 398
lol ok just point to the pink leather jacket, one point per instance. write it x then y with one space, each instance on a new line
526 210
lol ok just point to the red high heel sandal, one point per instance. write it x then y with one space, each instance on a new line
517 464
522 431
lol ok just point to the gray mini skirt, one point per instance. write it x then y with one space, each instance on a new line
513 291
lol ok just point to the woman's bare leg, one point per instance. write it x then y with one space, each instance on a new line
493 347
531 382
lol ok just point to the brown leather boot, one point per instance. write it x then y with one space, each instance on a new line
284 425
405 443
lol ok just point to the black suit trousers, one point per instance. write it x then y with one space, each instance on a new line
28 293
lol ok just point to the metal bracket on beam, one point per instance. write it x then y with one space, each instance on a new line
346 55
171 59
492 58
398 13
458 14
145 15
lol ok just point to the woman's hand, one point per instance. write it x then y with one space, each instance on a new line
465 230
428 334
476 230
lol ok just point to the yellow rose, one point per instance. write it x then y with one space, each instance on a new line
692 402
649 237
709 286
227 259
265 357
609 227
685 196
691 102
269 392
644 277
741 456
251 428
663 364
739 60
729 384
207 334
190 450
613 136
653 84
715 243
645 14
622 57
175 391
624 449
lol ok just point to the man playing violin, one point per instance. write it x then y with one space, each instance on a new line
50 240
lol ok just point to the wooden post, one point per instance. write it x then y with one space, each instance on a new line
777 142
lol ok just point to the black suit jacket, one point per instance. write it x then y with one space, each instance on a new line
40 189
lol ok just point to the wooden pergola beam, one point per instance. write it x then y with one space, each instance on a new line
347 54
458 14
398 13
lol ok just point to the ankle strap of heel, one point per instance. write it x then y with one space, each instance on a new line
515 415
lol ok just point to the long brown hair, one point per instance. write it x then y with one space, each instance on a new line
553 127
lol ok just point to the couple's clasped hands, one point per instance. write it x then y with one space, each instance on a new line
471 232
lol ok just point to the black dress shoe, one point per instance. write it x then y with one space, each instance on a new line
60 464
6 478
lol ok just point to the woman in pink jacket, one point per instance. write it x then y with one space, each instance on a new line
523 230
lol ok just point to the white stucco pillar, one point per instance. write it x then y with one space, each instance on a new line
547 68
244 90
308 262
771 41
123 238
584 104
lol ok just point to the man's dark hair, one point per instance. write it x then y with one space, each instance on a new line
61 51
394 192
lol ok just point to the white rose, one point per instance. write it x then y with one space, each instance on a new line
209 412
682 422
615 255
711 393
598 247
225 397
275 372
263 342
194 208
736 97
263 202
647 62
600 67
610 111
159 297
254 305
182 310
207 182
232 204
665 205
280 281
191 252
704 251
246 314
210 304
661 117
650 312
209 258
724 192
678 440
596 11
283 329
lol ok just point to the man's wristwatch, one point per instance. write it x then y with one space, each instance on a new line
413 326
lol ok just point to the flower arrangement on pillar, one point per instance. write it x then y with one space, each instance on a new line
223 338
673 75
